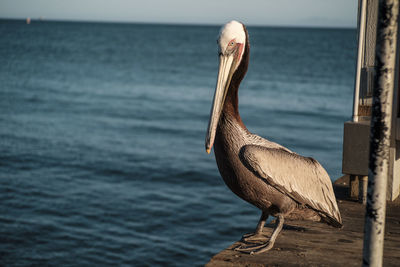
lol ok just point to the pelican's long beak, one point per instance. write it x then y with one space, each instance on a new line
226 70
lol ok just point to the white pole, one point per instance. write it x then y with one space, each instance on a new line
362 14
385 58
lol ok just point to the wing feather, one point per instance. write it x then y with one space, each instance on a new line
301 178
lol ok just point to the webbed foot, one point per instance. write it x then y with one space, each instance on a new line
251 237
260 248
256 249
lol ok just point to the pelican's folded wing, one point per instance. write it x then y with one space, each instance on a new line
301 178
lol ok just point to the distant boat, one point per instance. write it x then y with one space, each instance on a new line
28 20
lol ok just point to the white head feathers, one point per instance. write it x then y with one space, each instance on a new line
231 31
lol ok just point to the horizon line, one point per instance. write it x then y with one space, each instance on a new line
42 19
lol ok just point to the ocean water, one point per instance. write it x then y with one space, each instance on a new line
102 127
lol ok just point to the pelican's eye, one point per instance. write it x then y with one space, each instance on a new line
231 47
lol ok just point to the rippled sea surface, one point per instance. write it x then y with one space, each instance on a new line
102 126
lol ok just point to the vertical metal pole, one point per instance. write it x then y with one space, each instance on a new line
362 15
385 56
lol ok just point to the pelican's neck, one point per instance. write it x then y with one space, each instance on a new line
231 105
231 131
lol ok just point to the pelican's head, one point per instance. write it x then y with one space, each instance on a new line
231 42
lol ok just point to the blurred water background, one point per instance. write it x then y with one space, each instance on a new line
102 126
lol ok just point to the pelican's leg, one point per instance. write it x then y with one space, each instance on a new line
269 244
257 235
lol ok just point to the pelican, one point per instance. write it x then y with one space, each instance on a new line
279 182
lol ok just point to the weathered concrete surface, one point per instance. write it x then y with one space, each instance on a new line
315 244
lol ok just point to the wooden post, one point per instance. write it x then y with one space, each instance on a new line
362 191
354 187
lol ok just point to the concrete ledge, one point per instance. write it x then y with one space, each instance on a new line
315 244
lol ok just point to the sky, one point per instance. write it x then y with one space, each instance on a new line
313 13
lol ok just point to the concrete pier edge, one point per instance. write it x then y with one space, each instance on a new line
303 243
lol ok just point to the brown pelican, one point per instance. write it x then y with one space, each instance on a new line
278 181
